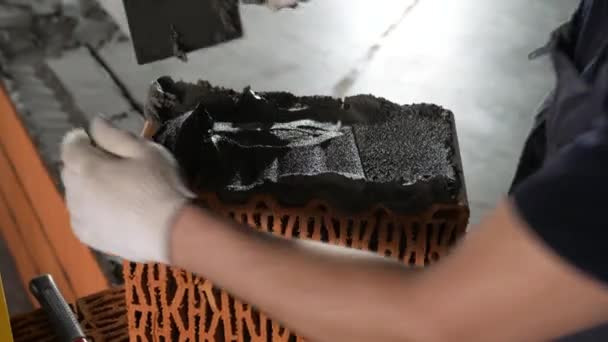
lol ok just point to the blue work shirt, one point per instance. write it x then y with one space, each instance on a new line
561 186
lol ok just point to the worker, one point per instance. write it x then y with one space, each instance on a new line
535 268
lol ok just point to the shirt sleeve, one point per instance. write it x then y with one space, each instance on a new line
566 202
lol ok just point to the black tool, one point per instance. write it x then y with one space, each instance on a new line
171 28
60 315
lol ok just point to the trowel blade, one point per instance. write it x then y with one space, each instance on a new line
166 28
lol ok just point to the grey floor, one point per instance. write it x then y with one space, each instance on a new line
469 56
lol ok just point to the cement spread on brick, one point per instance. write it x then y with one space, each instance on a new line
354 154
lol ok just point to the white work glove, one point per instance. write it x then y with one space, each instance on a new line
122 194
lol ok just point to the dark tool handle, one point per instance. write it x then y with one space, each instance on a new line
57 309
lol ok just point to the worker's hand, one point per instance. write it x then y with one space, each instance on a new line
123 193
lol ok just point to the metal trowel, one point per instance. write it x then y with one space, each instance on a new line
172 28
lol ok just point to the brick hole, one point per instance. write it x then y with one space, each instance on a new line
244 218
402 242
138 315
362 229
257 220
155 272
208 317
435 256
310 227
132 267
427 250
217 295
174 331
296 228
349 232
255 318
324 231
232 215
232 312
158 314
246 335
412 260
148 326
144 286
372 244
284 223
335 225
373 241
269 328
171 287
197 327
453 235
270 224
183 309
219 331
135 297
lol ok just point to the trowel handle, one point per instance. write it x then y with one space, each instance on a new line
60 315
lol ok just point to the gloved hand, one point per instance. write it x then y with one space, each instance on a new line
122 194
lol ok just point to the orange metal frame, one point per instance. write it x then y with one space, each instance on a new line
33 217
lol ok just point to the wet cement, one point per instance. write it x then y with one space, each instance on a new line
355 154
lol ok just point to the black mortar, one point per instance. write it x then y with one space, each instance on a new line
356 154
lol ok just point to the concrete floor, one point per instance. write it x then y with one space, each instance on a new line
469 56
